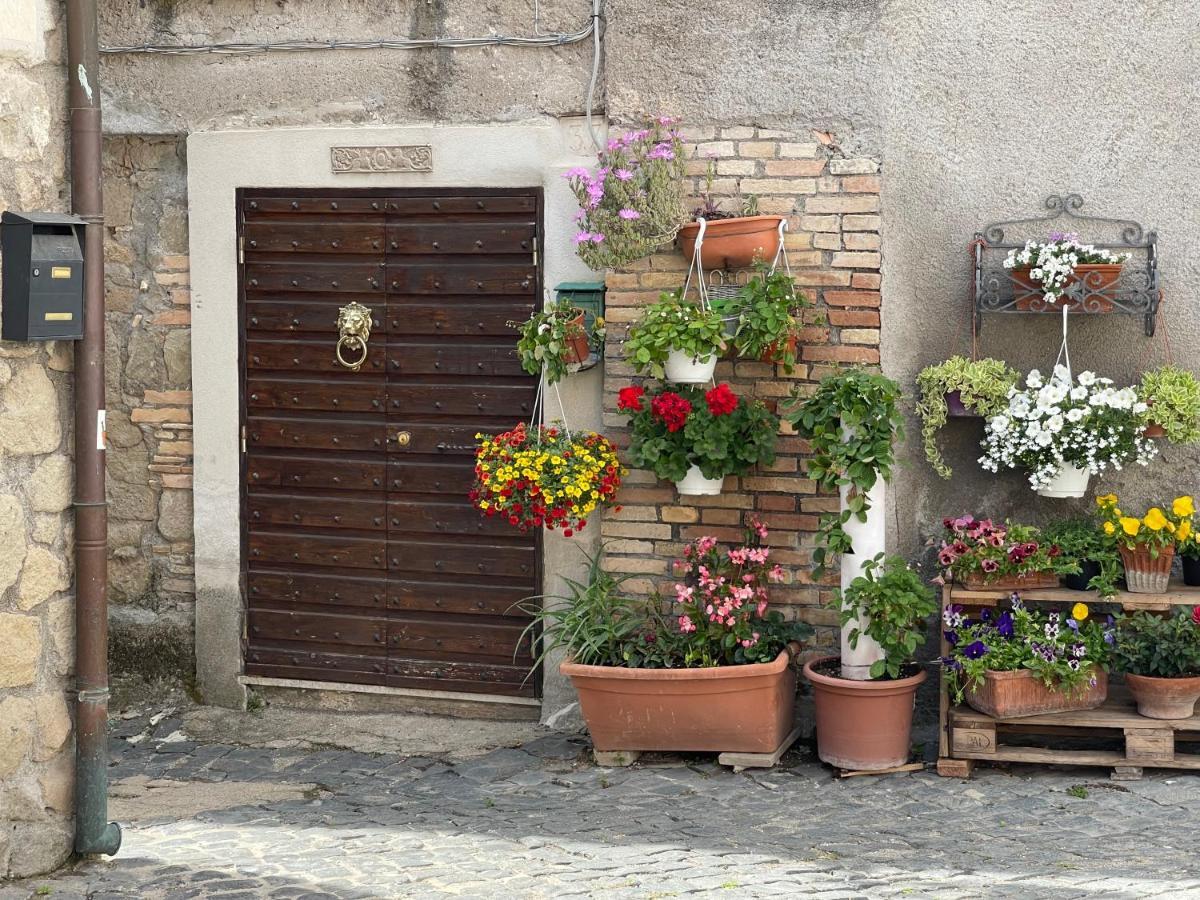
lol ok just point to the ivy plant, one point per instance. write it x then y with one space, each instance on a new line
896 602
1173 397
983 385
673 324
765 307
852 423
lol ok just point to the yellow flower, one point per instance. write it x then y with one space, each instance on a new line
1109 528
1130 526
1155 520
1184 531
1106 500
1183 506
1079 612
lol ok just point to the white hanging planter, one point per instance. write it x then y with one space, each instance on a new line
694 484
682 369
1071 481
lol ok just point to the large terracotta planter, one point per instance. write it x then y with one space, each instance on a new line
748 709
862 725
733 243
1006 695
1146 574
1164 698
1100 280
977 581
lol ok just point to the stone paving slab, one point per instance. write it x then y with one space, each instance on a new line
542 822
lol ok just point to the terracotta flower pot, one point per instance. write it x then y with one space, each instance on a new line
577 349
1144 573
1164 698
862 725
978 581
732 243
748 709
1006 695
772 353
1099 279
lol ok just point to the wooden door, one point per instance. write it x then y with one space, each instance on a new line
365 562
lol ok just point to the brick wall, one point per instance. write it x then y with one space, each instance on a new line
833 244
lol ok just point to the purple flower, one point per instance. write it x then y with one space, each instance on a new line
951 663
597 238
1109 639
1004 624
661 151
951 637
985 616
577 172
629 214
623 174
1073 625
582 237
1015 599
975 650
990 565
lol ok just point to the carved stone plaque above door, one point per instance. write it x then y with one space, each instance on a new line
400 158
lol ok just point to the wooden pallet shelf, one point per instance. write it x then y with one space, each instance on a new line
967 736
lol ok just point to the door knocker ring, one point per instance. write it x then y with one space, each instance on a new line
354 327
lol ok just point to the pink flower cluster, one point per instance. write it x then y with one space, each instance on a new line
719 593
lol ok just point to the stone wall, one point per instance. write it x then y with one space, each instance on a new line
36 604
148 306
833 246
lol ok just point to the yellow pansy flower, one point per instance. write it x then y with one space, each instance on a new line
1155 520
1109 528
1130 526
1184 531
1079 612
1106 500
1183 506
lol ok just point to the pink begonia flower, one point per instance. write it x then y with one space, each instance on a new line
686 625
776 574
705 544
683 593
762 608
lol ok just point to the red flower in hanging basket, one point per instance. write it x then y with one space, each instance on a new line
721 400
671 409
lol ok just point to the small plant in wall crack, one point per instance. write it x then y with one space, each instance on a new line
852 423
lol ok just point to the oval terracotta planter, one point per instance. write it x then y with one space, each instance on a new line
1100 279
732 243
1006 695
1164 698
863 725
577 349
977 581
749 709
1144 573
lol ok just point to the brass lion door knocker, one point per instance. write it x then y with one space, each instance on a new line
354 328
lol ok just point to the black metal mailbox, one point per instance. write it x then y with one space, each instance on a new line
42 259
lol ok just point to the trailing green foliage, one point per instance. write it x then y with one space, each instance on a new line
673 324
896 602
983 385
852 423
1159 646
1173 397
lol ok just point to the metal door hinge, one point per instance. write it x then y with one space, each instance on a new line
241 249
243 438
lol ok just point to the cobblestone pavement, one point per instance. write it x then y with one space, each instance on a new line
223 821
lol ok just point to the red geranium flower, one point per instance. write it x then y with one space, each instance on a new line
629 399
671 409
721 400
1196 614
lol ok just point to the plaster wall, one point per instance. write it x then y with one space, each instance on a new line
977 113
529 155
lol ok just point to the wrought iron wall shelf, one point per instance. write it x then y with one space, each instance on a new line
1136 292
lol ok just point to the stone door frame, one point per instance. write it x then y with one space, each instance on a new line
220 162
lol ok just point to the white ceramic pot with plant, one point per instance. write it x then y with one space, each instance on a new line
676 340
696 437
1062 430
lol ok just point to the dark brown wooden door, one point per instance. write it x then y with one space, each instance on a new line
365 562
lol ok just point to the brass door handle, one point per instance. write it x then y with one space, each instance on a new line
354 330
404 438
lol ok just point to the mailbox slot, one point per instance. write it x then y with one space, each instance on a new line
42 289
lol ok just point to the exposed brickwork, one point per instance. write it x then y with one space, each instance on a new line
833 245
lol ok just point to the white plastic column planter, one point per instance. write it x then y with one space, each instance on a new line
683 369
694 484
868 539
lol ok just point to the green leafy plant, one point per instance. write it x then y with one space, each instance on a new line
767 325
983 385
1083 540
676 428
673 324
896 603
1172 397
852 423
545 339
1159 646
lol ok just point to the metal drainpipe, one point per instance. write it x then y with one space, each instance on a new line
93 834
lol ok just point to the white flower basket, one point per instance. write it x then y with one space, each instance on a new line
1070 481
694 484
682 369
